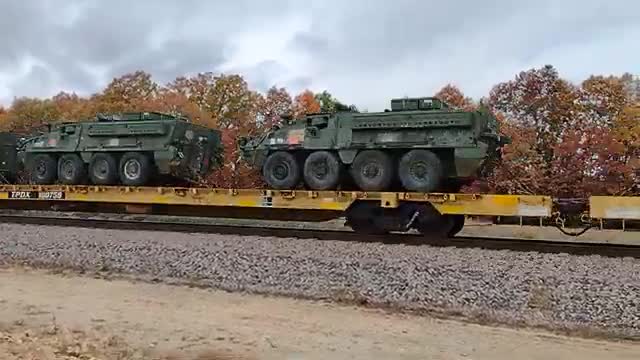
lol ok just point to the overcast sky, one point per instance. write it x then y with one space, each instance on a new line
363 51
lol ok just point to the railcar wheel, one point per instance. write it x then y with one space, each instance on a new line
135 169
103 169
322 170
366 218
43 169
430 222
420 170
281 171
372 170
457 224
71 169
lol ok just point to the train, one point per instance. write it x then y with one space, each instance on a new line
70 166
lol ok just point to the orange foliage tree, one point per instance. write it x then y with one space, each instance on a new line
453 96
305 103
564 143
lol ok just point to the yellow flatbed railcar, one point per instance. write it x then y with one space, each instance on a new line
367 212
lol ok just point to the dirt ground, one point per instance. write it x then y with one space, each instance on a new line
65 316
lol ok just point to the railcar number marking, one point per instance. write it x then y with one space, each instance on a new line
42 195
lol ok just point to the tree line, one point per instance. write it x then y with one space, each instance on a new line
569 140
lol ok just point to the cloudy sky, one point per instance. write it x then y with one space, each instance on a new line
363 51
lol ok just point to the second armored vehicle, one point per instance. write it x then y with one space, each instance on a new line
125 148
8 157
420 145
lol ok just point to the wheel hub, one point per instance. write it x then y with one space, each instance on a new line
371 170
41 168
419 170
132 169
101 169
281 171
67 169
320 169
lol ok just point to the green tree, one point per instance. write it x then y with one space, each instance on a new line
329 104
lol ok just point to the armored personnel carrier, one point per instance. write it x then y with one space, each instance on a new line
132 149
419 145
8 157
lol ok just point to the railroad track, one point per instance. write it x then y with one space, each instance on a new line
139 223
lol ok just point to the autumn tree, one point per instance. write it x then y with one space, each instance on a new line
227 98
631 85
273 105
126 93
72 107
28 114
305 103
453 96
539 99
602 99
4 121
564 143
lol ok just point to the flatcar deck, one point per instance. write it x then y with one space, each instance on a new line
458 204
369 212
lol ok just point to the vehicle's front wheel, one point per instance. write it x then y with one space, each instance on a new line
281 171
43 169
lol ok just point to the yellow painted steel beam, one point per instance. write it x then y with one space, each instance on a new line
467 204
614 207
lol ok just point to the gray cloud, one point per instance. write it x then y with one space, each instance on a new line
363 51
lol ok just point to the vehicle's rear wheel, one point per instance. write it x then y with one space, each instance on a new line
372 170
71 169
43 169
103 169
281 171
135 169
420 171
322 170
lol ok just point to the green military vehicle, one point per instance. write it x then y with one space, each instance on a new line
419 145
8 157
132 149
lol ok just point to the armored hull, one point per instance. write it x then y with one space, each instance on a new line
419 145
8 157
132 149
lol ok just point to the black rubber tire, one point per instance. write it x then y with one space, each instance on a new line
135 169
458 224
364 217
379 167
322 170
420 170
281 171
43 169
103 169
71 169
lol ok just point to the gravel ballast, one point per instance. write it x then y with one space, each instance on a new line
551 290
